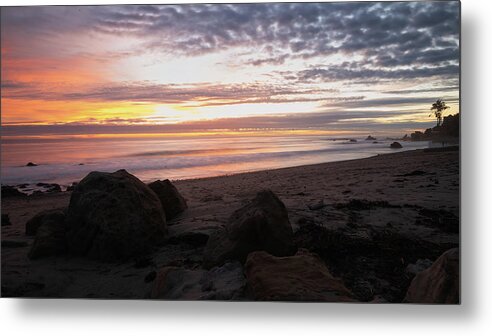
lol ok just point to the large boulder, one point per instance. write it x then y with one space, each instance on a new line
50 239
220 283
303 277
55 215
172 201
263 224
439 283
114 216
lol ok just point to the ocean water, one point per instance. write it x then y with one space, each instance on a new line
64 161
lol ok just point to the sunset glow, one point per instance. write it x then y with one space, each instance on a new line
330 67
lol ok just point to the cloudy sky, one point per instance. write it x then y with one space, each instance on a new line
330 66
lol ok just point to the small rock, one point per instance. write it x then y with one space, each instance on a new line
55 215
49 241
9 191
30 164
317 206
370 138
172 201
396 145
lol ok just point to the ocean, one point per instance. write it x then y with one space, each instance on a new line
66 160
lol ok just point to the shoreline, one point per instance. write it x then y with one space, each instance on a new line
398 201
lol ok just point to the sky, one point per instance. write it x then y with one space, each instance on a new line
360 66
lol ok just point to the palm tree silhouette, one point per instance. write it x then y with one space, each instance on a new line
438 107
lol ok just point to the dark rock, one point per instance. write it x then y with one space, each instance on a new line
114 216
9 191
53 188
172 201
6 220
419 266
317 206
30 164
72 186
440 283
302 277
352 140
396 145
14 243
263 224
50 240
370 138
220 283
55 215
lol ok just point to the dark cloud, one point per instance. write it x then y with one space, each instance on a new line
192 94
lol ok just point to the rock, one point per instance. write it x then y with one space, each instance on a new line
9 191
396 145
50 240
53 188
353 140
439 283
6 220
55 215
220 283
72 186
302 277
14 243
172 201
30 164
419 266
263 224
370 138
114 216
317 206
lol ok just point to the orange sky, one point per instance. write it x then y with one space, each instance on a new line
148 65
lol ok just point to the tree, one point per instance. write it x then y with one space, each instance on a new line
438 107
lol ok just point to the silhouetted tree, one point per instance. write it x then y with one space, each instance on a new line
438 107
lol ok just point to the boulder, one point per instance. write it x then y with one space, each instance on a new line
6 220
55 215
396 145
370 138
172 201
263 224
220 283
302 277
9 191
439 283
50 240
114 216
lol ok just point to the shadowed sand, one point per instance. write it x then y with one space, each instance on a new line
404 196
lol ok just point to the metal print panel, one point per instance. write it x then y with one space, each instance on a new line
242 152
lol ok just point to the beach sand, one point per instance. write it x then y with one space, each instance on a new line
411 199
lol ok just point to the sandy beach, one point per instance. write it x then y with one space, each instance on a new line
370 220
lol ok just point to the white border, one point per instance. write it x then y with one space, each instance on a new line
86 317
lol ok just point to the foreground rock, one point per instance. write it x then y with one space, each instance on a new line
263 224
439 283
172 201
220 283
303 277
50 238
44 218
396 145
114 216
